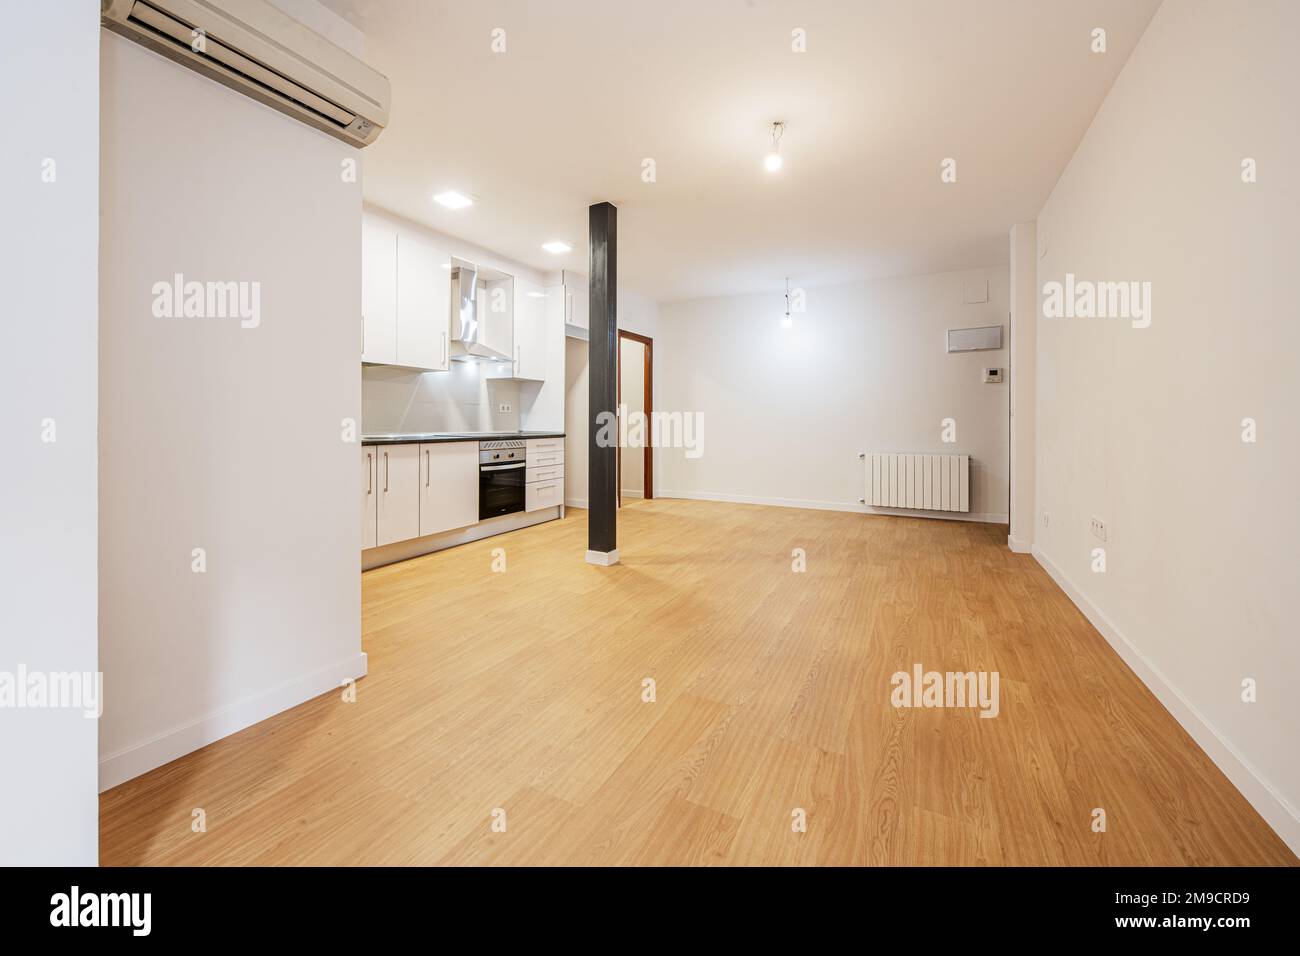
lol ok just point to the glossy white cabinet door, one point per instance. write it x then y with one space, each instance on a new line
496 316
576 304
369 497
398 481
543 494
448 486
378 293
530 330
423 304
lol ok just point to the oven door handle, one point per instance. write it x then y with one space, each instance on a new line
513 465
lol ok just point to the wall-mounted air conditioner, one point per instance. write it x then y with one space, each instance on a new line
256 49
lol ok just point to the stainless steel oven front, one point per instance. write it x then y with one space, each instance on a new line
502 465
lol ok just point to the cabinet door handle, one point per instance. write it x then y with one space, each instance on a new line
385 472
370 473
516 360
545 487
363 333
428 468
444 348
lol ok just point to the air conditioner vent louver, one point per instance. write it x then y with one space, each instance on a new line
251 46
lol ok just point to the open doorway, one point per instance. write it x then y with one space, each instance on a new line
635 383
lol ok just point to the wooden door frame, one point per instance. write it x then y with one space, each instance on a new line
648 386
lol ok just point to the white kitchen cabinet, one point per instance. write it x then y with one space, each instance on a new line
368 497
405 299
496 315
448 486
378 293
544 479
576 305
397 479
530 331
544 457
528 357
543 494
544 473
423 305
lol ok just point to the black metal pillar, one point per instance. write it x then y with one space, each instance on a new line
602 458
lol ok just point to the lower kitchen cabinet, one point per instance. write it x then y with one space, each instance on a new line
448 486
368 497
412 490
543 494
397 515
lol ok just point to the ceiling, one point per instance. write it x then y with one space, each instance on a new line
886 91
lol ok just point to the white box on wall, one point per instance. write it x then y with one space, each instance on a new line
976 339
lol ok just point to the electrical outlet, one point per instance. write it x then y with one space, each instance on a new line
504 407
1098 529
1047 519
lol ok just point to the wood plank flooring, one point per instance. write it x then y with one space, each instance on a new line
522 692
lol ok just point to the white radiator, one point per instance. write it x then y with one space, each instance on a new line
927 482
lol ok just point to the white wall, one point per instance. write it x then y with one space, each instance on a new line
864 369
215 436
636 313
576 371
49 60
1021 381
1142 427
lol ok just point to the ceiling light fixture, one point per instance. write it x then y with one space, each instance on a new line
773 159
786 321
556 247
453 200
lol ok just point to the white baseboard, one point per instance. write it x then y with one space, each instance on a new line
831 506
118 767
632 493
575 502
1018 546
1262 795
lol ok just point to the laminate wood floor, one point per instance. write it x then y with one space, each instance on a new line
517 697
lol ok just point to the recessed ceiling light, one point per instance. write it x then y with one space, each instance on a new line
556 247
453 200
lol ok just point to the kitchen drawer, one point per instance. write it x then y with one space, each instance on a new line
547 445
546 457
545 473
543 494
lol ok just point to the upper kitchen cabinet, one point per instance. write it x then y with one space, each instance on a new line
378 293
530 330
423 304
496 312
576 320
406 299
528 354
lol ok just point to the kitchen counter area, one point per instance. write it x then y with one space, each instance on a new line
437 437
425 491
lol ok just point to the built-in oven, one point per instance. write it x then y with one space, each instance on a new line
502 467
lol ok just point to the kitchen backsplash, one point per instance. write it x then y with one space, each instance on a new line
459 400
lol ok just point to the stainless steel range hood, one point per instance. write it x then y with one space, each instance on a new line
466 342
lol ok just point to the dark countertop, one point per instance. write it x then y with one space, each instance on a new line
431 438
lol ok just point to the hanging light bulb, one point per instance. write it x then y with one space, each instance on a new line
773 159
786 321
